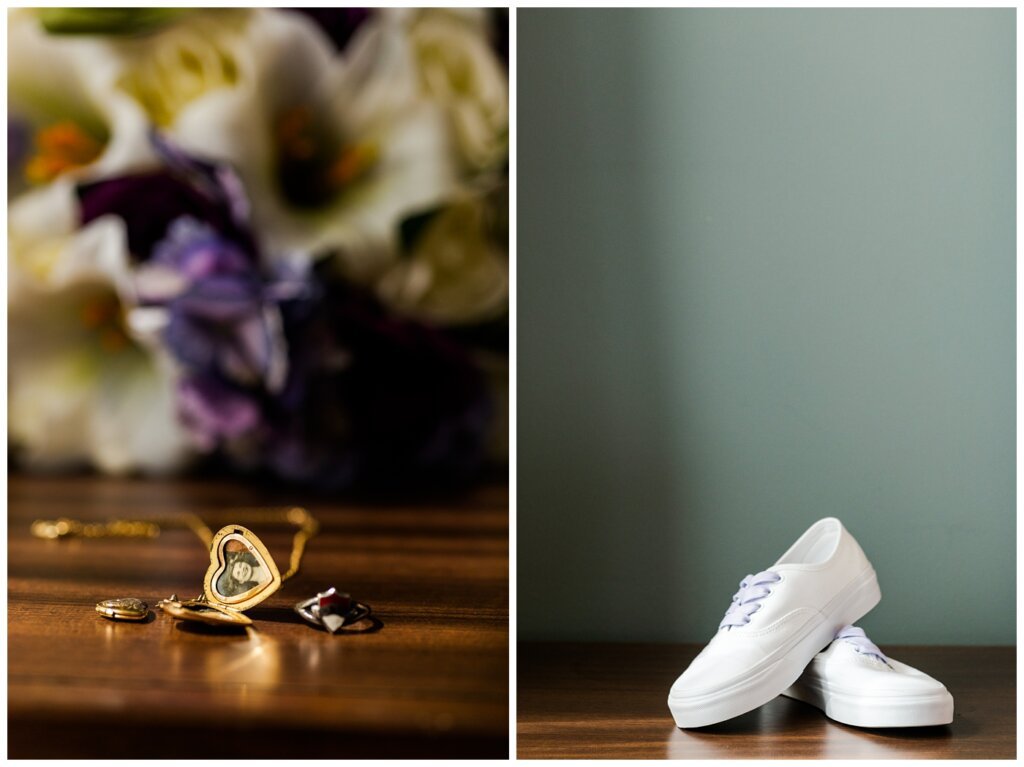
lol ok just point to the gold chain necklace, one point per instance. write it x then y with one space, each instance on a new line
128 528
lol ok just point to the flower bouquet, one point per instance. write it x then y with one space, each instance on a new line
275 240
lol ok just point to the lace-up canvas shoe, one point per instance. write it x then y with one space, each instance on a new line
853 682
778 621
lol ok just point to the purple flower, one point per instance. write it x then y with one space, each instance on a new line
214 412
189 226
197 251
223 316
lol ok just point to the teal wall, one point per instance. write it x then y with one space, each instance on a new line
765 275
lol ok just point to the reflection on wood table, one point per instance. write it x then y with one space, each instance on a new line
429 678
589 701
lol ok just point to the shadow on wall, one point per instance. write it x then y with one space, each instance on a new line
599 475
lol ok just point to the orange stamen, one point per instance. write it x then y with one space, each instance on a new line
98 312
60 147
295 133
353 162
102 316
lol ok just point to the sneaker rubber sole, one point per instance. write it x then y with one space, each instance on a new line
921 710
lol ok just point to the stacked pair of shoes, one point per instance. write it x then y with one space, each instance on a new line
789 631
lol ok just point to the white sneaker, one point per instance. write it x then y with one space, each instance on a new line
778 621
854 683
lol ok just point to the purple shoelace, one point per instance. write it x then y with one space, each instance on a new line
856 636
747 600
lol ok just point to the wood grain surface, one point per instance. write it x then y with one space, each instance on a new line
588 701
427 678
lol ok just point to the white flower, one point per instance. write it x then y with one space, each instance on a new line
333 151
81 390
62 122
199 55
456 271
460 71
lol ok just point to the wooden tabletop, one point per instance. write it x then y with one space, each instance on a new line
586 701
429 677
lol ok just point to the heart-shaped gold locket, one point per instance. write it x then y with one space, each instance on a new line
241 575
